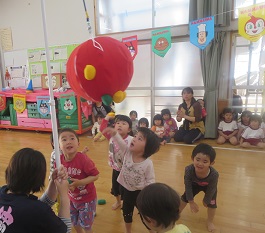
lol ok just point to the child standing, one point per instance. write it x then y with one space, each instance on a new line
253 136
133 115
96 134
158 206
159 129
204 113
244 123
143 122
201 176
82 174
169 123
137 169
227 128
123 125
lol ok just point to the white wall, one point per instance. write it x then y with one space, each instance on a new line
66 21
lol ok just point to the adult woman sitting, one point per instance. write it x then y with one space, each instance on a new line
20 210
193 126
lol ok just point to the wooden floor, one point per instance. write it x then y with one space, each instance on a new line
241 187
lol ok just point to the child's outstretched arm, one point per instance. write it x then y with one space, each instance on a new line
104 125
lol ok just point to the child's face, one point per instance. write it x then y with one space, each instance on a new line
138 143
157 122
228 117
142 124
122 128
254 124
133 117
201 163
99 120
166 116
68 144
245 120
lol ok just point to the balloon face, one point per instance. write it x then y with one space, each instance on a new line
99 68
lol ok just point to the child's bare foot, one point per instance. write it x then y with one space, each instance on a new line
163 143
210 226
116 205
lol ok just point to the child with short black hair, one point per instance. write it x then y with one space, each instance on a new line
82 173
253 136
96 134
201 176
244 122
133 115
227 128
159 129
123 125
169 123
137 170
143 122
158 206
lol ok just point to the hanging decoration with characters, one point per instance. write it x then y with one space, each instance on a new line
202 31
19 102
68 103
100 69
251 22
2 102
43 105
161 41
131 44
86 106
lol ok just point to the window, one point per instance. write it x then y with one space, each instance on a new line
243 3
123 15
248 72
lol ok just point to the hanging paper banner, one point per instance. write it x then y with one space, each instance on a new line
132 44
43 105
68 103
161 41
251 22
2 102
202 32
19 102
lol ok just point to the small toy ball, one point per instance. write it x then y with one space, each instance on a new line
69 181
101 202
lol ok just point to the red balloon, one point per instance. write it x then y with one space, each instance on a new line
109 68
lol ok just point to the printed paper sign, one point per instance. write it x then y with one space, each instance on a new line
68 103
251 22
202 32
132 45
161 41
43 105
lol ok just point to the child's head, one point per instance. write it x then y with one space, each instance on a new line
133 115
245 117
26 172
203 153
123 124
166 114
158 120
146 142
201 101
68 141
227 114
158 205
143 122
99 118
255 121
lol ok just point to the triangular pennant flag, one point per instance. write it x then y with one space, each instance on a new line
132 45
2 102
68 103
19 102
43 105
161 41
251 22
202 32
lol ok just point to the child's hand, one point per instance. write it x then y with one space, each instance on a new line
110 131
60 174
85 150
74 183
194 207
62 186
